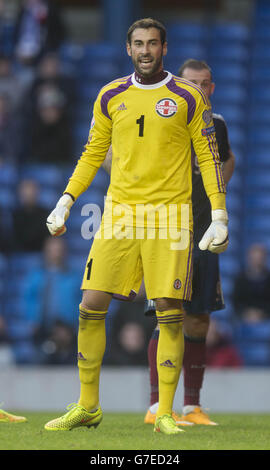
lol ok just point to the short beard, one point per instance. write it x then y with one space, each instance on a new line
153 71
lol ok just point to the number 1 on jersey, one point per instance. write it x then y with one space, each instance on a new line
140 121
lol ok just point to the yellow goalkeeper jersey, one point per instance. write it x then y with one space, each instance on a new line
150 128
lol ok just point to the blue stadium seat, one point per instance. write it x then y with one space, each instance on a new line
257 222
234 202
48 197
47 175
188 31
231 93
230 32
184 50
71 52
260 95
25 352
257 201
259 134
259 73
228 52
4 264
258 180
229 265
237 135
254 342
7 197
255 354
8 175
21 263
259 114
101 50
88 90
100 69
234 72
258 156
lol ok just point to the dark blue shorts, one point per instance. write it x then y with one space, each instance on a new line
207 293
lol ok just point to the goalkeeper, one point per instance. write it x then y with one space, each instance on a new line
150 119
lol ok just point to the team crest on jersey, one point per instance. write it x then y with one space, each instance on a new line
166 107
177 284
207 116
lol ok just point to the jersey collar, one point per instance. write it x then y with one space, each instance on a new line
152 85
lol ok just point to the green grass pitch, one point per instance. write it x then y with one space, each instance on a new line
127 431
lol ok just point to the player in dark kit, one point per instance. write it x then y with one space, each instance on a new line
207 293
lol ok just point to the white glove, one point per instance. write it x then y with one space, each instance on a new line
57 218
216 238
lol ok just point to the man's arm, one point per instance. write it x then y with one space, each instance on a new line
228 167
107 164
87 166
203 137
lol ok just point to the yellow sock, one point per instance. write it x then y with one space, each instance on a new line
169 357
91 348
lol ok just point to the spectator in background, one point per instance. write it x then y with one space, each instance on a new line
29 219
60 348
251 290
130 333
50 72
51 138
50 290
39 29
220 350
10 133
10 84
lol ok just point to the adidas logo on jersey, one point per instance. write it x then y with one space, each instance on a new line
122 107
167 363
80 357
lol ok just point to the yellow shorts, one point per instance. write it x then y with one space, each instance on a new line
118 265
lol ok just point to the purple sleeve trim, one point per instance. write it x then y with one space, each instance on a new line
191 102
108 95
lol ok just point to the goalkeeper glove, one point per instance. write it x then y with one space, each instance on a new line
57 218
216 238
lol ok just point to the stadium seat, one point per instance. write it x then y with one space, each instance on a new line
257 155
71 52
101 50
230 93
231 52
187 31
45 175
233 73
100 69
8 175
7 197
255 354
183 50
21 263
88 90
258 201
258 180
259 134
229 265
48 197
259 114
259 95
230 32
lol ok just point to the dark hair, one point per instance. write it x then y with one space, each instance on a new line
194 65
147 23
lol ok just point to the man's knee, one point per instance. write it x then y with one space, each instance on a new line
164 303
96 300
196 326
